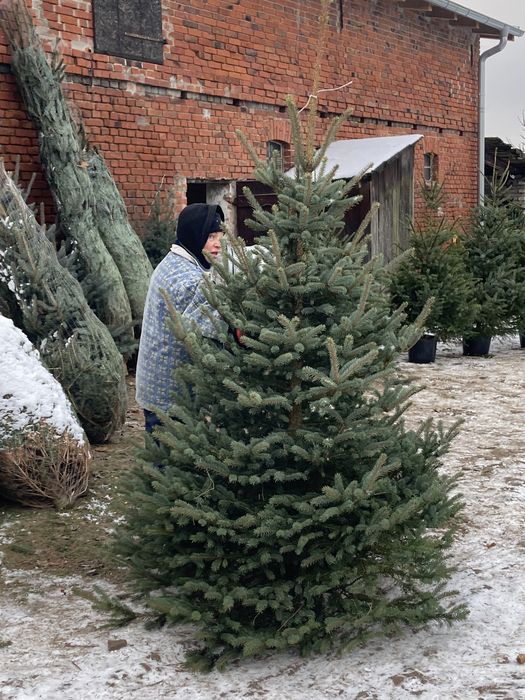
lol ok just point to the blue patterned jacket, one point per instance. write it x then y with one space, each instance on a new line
180 276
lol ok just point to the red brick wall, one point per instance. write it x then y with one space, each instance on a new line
229 64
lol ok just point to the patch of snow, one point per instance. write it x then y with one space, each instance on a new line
5 539
95 510
29 393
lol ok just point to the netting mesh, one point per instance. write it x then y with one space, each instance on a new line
74 344
119 237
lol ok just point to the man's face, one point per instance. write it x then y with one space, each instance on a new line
213 244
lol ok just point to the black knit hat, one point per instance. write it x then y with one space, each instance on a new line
195 223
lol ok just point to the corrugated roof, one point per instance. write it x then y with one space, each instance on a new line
352 156
487 27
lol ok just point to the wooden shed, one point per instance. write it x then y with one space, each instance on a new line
388 166
501 158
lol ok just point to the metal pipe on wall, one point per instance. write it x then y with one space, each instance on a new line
504 36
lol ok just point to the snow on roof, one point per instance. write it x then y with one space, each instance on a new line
351 156
29 393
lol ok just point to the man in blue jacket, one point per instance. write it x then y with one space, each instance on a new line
179 276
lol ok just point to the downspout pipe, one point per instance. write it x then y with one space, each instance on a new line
504 37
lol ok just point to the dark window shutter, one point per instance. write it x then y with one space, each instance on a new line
106 29
129 28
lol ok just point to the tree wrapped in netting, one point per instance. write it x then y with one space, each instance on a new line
287 504
112 265
73 343
111 218
44 455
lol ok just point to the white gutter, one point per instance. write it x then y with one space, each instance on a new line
506 32
476 16
504 36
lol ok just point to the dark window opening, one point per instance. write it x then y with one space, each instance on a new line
266 198
280 151
196 193
275 152
129 28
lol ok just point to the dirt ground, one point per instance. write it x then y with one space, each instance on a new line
54 645
72 541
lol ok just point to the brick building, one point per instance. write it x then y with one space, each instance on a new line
163 85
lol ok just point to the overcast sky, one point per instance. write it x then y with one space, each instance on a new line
505 84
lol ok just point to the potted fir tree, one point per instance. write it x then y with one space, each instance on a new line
492 258
434 269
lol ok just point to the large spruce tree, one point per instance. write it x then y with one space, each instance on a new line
289 505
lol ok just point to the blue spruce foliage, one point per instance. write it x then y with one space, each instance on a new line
294 508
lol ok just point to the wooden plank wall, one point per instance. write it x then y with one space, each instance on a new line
393 187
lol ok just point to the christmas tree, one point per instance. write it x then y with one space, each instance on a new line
160 229
111 263
501 207
494 257
434 268
49 304
293 507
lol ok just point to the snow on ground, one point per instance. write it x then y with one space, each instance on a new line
59 650
30 394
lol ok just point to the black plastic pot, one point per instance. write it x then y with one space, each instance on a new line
424 351
477 345
522 340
